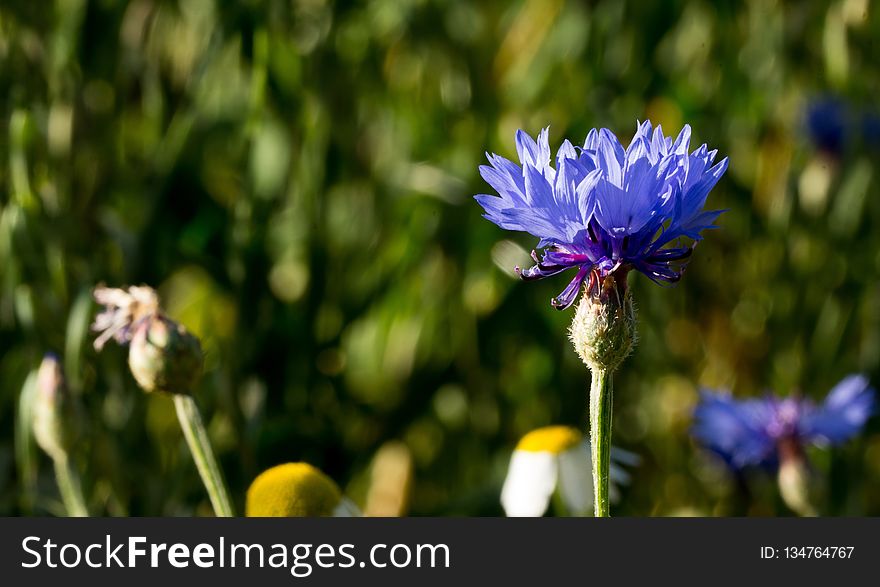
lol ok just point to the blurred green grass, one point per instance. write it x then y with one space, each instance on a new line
295 178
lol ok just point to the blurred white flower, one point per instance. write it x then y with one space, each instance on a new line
557 458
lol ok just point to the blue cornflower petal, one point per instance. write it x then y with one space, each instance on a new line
569 294
735 430
535 153
682 141
843 413
566 151
586 196
827 123
539 193
507 179
659 144
611 156
615 208
591 143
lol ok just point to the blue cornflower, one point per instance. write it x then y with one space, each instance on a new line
604 209
827 123
763 432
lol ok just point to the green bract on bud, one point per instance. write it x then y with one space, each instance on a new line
164 356
54 415
604 327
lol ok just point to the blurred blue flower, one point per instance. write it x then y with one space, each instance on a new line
871 129
604 209
754 432
827 123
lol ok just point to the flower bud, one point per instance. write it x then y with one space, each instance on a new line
603 331
794 479
296 490
54 416
164 356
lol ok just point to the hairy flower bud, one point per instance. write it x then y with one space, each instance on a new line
164 356
603 331
296 490
54 416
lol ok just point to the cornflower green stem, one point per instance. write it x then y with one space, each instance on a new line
70 487
200 447
601 391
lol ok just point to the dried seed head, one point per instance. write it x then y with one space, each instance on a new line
123 309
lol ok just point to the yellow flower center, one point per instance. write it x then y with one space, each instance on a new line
553 439
292 490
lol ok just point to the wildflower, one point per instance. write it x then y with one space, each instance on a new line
556 458
605 210
832 123
123 310
773 433
296 490
163 355
750 432
827 124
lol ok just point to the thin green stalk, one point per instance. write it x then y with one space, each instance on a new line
200 447
70 488
601 391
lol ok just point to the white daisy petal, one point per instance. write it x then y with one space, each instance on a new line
576 479
346 509
531 480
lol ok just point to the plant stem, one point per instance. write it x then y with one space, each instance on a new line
601 391
200 447
70 488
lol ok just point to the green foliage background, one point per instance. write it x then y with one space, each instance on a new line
295 177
